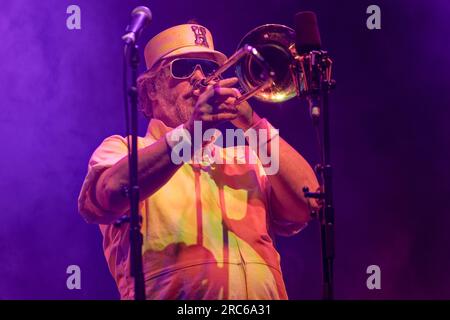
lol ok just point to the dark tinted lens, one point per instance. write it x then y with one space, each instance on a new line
183 68
208 66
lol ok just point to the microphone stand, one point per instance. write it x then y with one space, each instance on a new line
131 52
317 84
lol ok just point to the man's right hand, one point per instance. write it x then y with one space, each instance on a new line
215 104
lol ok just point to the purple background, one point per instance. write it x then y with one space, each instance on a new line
61 95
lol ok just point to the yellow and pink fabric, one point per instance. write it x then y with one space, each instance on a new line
208 232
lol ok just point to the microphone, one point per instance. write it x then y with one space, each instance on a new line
307 39
307 36
140 18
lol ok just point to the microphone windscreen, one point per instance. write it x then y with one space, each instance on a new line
307 36
144 10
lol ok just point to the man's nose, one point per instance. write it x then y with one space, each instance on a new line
197 74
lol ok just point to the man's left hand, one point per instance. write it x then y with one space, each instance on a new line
246 116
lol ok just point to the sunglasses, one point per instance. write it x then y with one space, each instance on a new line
184 68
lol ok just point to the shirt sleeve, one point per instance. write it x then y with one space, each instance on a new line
110 151
277 224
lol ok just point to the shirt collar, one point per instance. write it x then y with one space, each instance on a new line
156 129
208 153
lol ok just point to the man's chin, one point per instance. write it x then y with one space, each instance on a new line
185 113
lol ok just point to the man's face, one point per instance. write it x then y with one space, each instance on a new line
175 99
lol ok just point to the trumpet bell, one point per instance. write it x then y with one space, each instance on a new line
274 43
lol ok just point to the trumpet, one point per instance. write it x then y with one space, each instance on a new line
264 64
